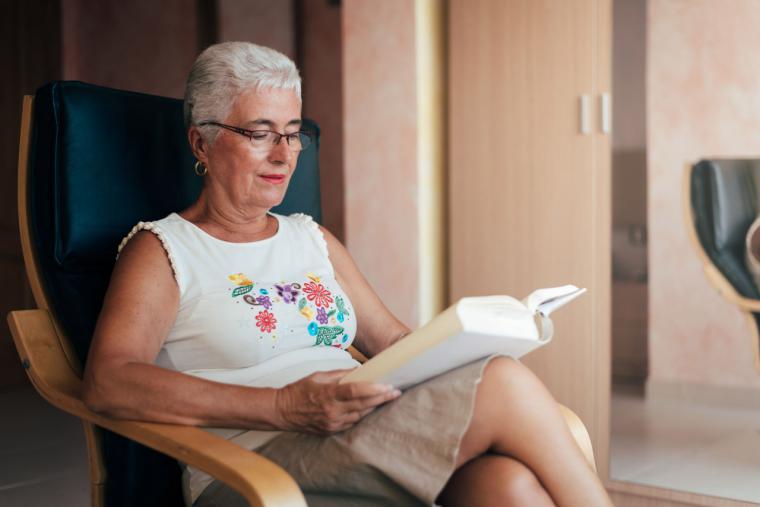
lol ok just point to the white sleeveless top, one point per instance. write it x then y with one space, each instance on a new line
261 314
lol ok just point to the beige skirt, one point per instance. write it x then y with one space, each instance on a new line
401 454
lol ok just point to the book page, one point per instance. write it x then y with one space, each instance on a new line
458 350
547 300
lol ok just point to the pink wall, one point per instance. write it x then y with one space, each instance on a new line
140 46
321 69
703 100
266 22
380 154
628 75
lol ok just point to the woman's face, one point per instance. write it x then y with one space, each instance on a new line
248 177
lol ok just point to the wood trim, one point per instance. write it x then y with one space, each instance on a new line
260 481
714 276
430 35
602 275
631 491
28 248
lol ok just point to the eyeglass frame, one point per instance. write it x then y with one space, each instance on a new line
249 134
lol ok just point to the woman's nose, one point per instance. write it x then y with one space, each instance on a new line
280 151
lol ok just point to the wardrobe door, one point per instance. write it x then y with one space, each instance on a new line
528 183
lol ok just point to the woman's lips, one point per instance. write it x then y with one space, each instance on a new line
275 179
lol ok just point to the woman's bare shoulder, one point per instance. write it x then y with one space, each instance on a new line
335 248
145 254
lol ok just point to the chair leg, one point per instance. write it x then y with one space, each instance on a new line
97 469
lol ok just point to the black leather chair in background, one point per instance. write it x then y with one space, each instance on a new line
721 204
94 161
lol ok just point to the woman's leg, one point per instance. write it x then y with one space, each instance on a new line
516 416
498 481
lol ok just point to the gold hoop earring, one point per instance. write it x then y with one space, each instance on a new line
200 169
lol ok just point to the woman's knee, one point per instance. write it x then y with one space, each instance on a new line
519 485
506 371
495 480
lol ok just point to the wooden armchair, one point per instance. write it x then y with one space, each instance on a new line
92 162
720 203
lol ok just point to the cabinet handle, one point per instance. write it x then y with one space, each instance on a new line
584 120
605 110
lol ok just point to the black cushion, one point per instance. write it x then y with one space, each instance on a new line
100 161
724 205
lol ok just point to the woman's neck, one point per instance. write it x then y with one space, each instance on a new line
230 223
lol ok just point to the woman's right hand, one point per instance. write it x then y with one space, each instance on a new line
318 404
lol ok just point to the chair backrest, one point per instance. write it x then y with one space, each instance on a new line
100 160
724 203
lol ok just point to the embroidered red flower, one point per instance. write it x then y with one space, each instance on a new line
266 321
316 292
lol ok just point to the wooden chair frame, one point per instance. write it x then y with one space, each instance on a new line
746 305
54 370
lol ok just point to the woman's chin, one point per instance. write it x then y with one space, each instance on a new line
272 199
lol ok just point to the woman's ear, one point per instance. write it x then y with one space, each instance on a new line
197 144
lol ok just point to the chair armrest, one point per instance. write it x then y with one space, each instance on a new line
579 432
259 480
724 287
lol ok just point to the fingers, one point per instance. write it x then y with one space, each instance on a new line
351 390
366 412
357 390
369 402
318 404
342 415
348 420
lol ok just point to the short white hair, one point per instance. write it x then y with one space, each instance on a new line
223 71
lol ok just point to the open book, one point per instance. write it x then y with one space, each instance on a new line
470 329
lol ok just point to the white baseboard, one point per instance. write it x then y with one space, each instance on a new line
704 394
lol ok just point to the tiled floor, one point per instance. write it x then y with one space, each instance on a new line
43 458
676 445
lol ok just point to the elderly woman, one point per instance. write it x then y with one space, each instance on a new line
228 316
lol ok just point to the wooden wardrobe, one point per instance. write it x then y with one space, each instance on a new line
529 177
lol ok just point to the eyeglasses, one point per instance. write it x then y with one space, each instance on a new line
263 140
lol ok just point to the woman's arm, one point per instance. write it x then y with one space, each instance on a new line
121 380
378 328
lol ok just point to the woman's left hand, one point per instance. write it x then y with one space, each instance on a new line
319 404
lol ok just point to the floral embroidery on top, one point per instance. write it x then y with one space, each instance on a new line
326 334
266 321
305 310
288 291
258 301
240 279
244 285
341 305
314 301
318 293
